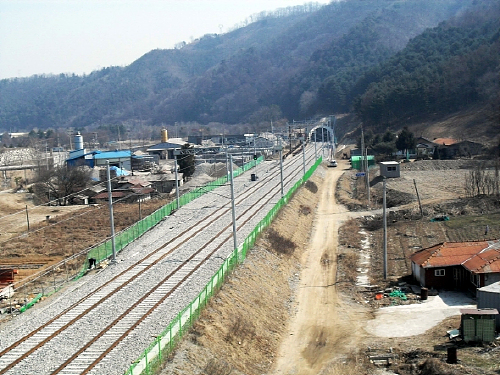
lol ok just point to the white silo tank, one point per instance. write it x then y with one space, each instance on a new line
78 141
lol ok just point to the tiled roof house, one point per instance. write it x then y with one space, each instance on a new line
457 265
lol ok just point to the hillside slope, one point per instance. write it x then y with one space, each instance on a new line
280 60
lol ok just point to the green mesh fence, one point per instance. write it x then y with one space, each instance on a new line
104 250
151 359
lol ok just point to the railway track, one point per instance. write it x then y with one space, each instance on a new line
156 279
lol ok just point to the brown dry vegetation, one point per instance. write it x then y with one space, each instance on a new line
50 241
240 331
243 325
407 233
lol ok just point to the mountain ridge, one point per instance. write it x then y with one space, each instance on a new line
297 65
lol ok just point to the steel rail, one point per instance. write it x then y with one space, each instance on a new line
161 300
245 196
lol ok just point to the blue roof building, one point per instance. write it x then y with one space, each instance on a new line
118 158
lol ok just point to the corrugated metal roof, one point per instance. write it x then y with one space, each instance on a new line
476 256
112 154
445 141
479 311
492 288
114 194
448 254
487 261
142 190
165 146
80 156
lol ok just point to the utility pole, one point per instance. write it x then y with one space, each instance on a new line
418 197
281 168
176 182
27 218
304 156
368 179
385 229
233 209
254 155
362 150
111 218
225 149
119 140
315 147
47 155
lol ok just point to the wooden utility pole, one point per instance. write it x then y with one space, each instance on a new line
27 218
418 197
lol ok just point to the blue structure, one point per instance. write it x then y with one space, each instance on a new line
118 158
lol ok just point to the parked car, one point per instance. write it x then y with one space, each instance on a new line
332 163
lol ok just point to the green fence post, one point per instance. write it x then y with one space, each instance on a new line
158 339
170 344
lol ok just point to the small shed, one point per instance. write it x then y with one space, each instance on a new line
390 169
478 324
489 297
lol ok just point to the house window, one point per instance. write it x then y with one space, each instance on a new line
391 168
474 279
439 272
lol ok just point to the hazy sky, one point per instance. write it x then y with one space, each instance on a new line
79 36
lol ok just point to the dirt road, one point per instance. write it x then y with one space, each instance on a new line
324 328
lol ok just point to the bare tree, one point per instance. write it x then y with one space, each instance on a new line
59 184
481 181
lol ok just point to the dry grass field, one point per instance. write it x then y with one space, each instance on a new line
68 230
261 295
241 329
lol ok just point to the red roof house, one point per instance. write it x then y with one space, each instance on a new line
457 265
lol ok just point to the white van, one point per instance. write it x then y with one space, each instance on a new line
332 163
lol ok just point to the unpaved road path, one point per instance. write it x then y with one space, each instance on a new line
324 328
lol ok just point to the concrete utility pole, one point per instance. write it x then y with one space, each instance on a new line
47 155
367 178
233 209
315 147
304 155
225 149
281 168
111 217
362 151
176 182
385 229
254 154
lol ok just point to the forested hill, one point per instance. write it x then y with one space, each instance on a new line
445 69
294 62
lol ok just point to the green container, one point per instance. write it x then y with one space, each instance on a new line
356 161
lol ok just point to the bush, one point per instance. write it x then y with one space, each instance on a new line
217 367
311 186
279 243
